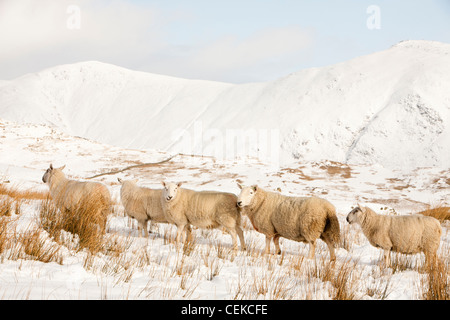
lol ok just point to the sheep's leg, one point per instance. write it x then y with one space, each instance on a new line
144 229
184 236
312 250
180 229
139 229
141 226
387 257
233 234
240 234
267 250
188 234
331 249
276 242
151 227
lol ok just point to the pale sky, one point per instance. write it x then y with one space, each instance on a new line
231 41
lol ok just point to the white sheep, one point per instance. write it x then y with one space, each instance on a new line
142 204
408 234
203 209
70 194
294 218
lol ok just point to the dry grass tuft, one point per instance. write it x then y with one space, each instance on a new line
344 281
6 205
82 221
439 212
189 246
4 226
29 194
11 199
436 284
29 245
36 247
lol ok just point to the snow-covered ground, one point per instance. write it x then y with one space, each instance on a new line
153 268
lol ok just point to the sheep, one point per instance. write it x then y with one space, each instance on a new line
409 234
72 195
203 209
143 204
295 218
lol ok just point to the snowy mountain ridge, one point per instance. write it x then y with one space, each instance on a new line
391 108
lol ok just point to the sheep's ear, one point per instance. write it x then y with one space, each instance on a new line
357 204
120 180
255 188
163 183
179 184
62 168
239 185
51 166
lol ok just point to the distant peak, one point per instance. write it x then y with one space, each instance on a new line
92 64
84 67
425 45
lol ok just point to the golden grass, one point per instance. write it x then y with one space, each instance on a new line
36 247
177 273
436 285
4 227
83 221
28 194
28 245
6 207
12 198
441 213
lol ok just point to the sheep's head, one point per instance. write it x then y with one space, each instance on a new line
246 196
355 214
127 182
49 172
170 190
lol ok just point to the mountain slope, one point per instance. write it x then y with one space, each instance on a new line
390 107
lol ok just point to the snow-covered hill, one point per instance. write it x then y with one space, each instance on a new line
390 108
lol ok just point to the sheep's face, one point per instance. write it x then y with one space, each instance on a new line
354 215
171 190
49 172
246 196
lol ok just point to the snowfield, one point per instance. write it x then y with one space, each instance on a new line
152 268
373 130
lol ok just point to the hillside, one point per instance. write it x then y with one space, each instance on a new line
390 108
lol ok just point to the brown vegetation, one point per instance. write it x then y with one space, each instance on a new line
178 275
82 220
28 194
440 212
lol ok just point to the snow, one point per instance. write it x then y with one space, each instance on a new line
391 108
373 130
156 270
